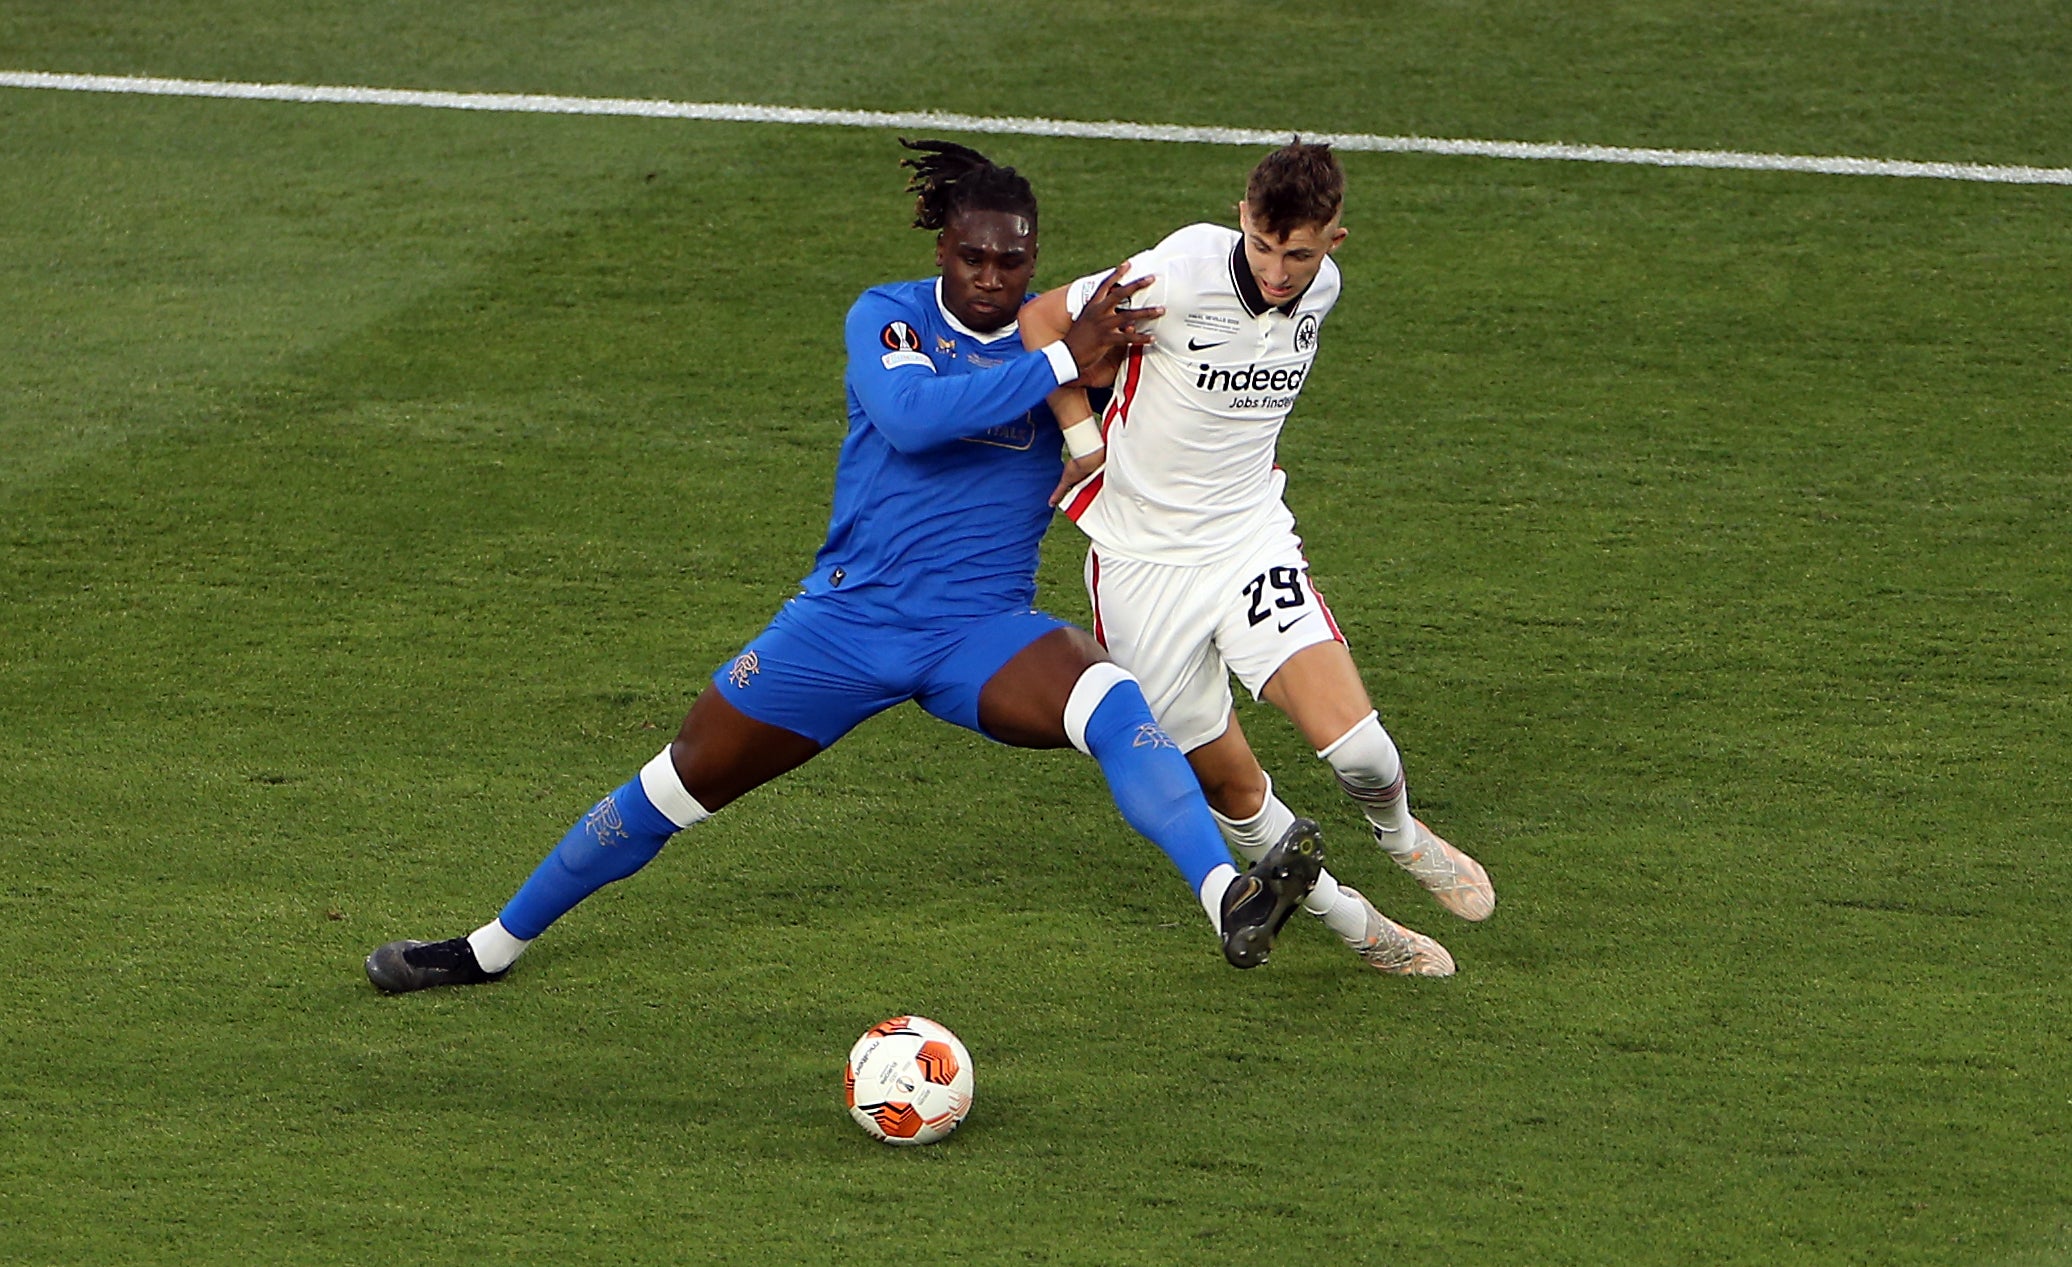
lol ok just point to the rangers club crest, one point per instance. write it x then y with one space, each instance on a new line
605 824
745 666
1150 736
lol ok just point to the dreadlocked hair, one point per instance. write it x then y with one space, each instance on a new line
1300 183
949 178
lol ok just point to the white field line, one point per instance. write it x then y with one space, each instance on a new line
528 103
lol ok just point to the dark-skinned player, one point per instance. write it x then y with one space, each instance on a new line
924 590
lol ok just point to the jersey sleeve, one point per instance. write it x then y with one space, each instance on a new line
916 408
1080 292
1160 263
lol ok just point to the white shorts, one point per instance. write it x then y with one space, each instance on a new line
1184 630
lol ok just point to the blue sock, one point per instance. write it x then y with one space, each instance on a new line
621 834
1153 785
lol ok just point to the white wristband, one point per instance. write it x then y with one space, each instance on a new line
1084 437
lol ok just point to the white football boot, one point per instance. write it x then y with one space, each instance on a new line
1389 947
1456 880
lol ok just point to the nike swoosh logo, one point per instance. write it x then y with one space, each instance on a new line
1195 345
1291 624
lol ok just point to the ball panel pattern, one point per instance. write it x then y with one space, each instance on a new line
908 1081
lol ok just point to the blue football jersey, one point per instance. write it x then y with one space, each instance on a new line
942 489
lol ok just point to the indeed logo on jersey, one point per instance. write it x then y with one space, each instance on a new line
1251 378
1276 387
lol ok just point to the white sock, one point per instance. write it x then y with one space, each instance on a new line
1324 897
1253 836
494 946
1212 890
1371 771
1346 916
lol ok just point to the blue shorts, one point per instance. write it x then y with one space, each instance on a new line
819 671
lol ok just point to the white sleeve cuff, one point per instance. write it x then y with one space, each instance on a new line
1061 362
1081 291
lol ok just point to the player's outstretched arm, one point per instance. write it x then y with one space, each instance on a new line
1045 318
1044 321
915 408
1108 324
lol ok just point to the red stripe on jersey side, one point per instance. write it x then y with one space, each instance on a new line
1094 561
1119 404
1118 413
1086 497
1330 622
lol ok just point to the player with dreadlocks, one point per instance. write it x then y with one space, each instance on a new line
923 591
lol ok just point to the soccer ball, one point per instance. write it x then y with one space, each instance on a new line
908 1081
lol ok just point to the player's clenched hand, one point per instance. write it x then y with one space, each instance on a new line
1077 471
1108 322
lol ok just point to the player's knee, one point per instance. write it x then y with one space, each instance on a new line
662 780
1236 786
1365 756
1236 795
1103 683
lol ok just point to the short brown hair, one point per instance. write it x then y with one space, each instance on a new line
1299 183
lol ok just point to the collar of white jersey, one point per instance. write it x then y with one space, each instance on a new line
1248 292
1012 327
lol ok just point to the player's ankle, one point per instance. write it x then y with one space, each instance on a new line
495 947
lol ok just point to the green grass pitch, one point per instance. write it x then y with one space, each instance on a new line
377 487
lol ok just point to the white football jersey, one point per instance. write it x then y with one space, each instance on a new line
1196 415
